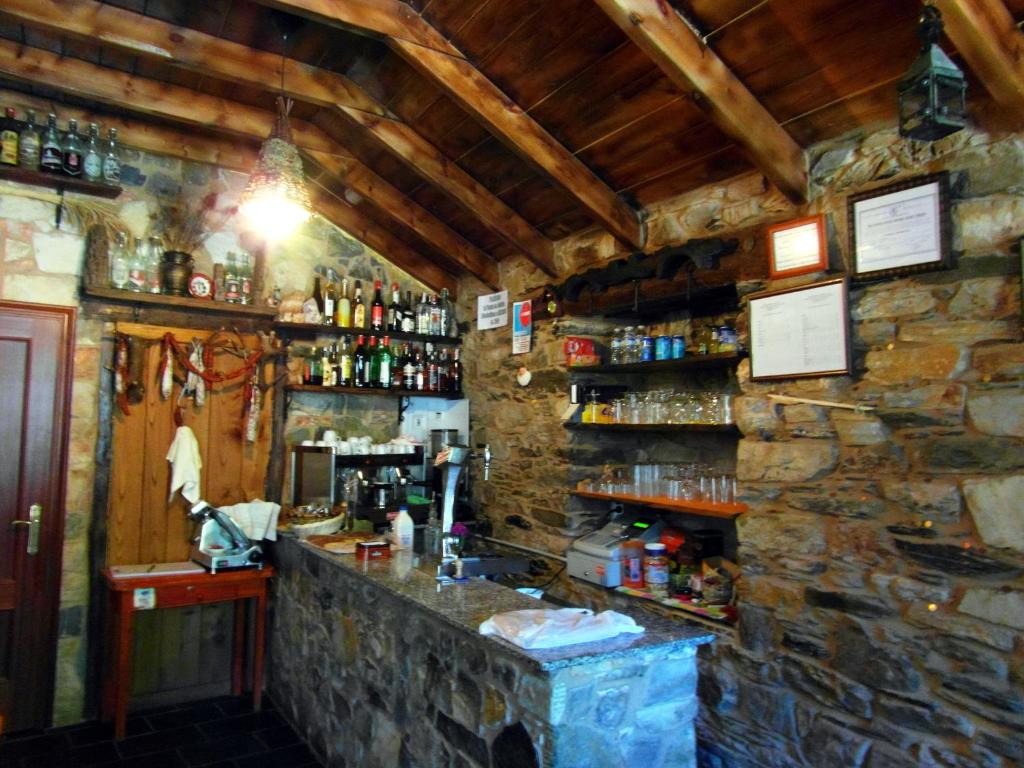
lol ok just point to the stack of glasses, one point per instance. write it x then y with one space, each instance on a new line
677 482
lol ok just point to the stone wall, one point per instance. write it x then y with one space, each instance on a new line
41 264
882 598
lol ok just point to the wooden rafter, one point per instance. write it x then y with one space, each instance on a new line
347 217
985 34
368 184
658 30
443 173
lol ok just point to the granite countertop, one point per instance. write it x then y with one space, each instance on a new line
467 604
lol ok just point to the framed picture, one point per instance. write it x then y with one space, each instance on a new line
797 247
800 332
902 228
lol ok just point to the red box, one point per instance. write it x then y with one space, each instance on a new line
373 550
581 352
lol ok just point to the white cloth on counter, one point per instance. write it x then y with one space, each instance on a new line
186 462
257 519
553 628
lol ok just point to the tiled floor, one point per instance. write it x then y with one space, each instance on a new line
218 733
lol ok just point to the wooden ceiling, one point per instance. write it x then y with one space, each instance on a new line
451 134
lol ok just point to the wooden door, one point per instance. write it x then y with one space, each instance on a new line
36 344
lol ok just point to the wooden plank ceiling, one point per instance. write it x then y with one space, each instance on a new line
451 134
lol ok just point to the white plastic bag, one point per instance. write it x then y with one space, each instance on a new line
549 628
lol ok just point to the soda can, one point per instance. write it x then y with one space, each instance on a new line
663 348
647 349
678 347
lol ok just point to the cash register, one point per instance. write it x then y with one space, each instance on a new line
597 557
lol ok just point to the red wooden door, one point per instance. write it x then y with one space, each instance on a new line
36 345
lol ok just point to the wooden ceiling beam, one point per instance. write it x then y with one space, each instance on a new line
446 175
658 30
485 101
410 213
347 217
986 35
186 48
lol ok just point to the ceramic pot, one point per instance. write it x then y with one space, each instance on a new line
175 270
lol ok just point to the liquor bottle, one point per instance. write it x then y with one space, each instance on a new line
137 267
408 368
443 368
371 373
71 150
344 310
387 360
318 295
119 262
330 303
92 161
455 375
155 252
395 310
408 314
377 308
51 158
28 144
9 138
245 281
316 371
435 317
449 326
431 369
325 366
359 362
345 363
307 368
358 308
423 316
420 380
232 282
111 161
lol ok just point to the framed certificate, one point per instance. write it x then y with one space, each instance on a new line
902 228
800 332
797 247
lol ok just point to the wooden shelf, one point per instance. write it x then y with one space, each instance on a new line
312 329
178 302
367 459
368 391
58 182
717 360
724 614
671 505
581 427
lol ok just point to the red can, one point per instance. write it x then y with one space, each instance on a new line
633 563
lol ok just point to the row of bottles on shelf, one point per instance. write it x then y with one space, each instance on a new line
30 146
431 315
375 364
640 344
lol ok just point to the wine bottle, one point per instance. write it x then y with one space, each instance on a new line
330 303
51 158
358 308
316 371
344 313
345 362
386 363
317 295
395 309
372 369
455 376
359 362
28 144
377 308
9 138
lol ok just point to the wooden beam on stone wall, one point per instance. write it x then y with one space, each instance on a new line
345 216
485 101
410 213
658 30
445 174
986 35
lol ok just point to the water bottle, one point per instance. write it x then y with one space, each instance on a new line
615 346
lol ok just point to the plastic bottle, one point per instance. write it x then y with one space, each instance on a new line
403 528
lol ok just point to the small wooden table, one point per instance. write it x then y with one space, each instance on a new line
177 591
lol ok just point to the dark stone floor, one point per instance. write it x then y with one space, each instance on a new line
217 733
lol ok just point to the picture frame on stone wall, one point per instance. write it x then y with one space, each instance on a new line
797 247
901 228
800 332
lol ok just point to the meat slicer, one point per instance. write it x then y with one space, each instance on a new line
221 543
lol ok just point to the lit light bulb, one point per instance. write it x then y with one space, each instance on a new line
272 214
933 607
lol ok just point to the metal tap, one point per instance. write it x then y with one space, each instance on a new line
486 447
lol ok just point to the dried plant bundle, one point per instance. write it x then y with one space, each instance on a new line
184 222
84 213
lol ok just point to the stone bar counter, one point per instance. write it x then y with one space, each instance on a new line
379 665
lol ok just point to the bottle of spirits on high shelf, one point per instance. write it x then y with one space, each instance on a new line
330 303
394 322
377 308
455 375
406 369
448 325
435 316
245 281
430 369
316 371
371 377
232 282
318 295
9 138
358 308
423 316
408 314
92 161
443 372
112 160
345 363
343 316
386 363
71 150
28 144
119 262
51 157
137 267
359 362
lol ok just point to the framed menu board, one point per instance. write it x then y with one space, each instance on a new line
800 332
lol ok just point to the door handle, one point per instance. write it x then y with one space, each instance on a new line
34 523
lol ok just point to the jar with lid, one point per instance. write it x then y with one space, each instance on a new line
656 569
633 563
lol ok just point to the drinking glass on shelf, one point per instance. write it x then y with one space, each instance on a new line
633 408
619 411
712 408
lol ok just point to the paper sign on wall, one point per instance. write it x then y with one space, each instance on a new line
522 326
492 311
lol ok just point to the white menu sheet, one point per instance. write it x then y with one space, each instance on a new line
800 333
898 230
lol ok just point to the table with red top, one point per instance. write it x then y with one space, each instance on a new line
176 591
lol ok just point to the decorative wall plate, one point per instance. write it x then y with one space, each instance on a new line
200 286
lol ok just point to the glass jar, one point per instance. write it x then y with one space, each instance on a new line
656 569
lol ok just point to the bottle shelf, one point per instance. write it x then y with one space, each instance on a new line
58 182
716 360
579 426
317 389
705 508
178 302
314 329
